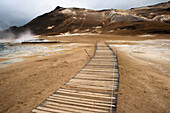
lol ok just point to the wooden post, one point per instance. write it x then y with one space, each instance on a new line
87 53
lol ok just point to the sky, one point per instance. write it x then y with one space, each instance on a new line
20 12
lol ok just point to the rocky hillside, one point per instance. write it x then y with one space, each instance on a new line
155 19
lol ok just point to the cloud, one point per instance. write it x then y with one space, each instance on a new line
100 4
19 12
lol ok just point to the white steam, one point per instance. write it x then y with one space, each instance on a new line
14 38
25 36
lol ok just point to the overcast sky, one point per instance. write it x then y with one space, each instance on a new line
19 12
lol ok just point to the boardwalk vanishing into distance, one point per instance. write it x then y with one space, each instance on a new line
93 89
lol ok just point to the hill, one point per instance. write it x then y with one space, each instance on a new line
148 19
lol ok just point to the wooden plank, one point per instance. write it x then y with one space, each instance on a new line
96 96
103 61
100 64
115 81
91 82
86 90
104 55
106 58
39 111
47 109
98 70
70 107
89 73
82 99
80 104
104 74
94 78
92 87
83 92
97 77
105 106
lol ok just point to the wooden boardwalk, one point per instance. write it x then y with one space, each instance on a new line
93 89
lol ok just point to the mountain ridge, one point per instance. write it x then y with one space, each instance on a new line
75 20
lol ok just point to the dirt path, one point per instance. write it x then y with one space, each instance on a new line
24 85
